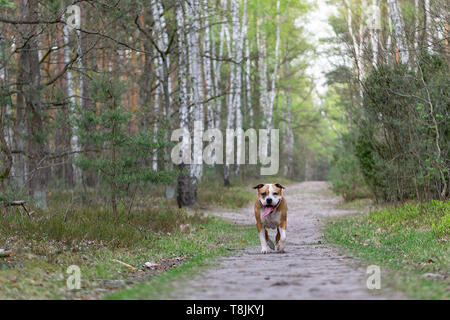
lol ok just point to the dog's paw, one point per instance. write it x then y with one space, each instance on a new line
280 248
264 250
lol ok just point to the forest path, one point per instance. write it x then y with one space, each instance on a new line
307 270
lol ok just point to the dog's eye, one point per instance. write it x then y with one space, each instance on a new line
263 194
275 194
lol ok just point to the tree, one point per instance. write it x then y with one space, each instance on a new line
118 153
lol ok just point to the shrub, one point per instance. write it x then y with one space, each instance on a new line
403 146
345 175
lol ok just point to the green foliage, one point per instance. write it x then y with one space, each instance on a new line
345 175
403 133
8 4
404 138
406 241
121 157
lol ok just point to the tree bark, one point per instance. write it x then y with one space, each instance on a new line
30 90
399 31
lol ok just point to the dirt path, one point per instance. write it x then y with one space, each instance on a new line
308 269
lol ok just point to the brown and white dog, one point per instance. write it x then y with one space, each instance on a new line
271 212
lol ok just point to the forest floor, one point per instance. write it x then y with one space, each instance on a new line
309 269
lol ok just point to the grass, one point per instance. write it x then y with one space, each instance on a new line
68 233
407 241
163 285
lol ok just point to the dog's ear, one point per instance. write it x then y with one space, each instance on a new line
258 186
279 186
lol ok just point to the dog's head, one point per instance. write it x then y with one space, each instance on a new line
269 195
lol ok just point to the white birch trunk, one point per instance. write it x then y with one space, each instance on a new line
247 64
374 32
389 39
262 66
207 66
275 71
183 71
416 27
163 95
74 139
356 48
399 31
428 25
238 41
192 11
217 67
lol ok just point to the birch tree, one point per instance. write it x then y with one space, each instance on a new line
247 65
186 188
207 65
164 85
193 39
357 54
399 31
232 94
262 71
275 69
238 41
375 25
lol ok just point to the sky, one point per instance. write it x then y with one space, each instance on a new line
317 26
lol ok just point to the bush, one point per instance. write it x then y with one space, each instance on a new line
403 146
345 175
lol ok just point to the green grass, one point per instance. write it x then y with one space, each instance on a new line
406 241
37 269
162 286
70 233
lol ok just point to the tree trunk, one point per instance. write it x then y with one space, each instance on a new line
186 186
247 66
275 71
29 88
428 26
399 31
193 36
238 41
374 32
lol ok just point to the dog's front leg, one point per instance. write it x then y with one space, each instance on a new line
260 228
262 238
282 241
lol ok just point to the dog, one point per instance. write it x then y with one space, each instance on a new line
271 212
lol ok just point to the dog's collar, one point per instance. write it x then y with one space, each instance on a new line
269 209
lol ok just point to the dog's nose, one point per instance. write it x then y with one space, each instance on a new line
269 200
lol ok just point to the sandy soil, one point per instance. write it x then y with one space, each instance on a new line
307 270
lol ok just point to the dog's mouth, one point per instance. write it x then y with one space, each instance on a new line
268 209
